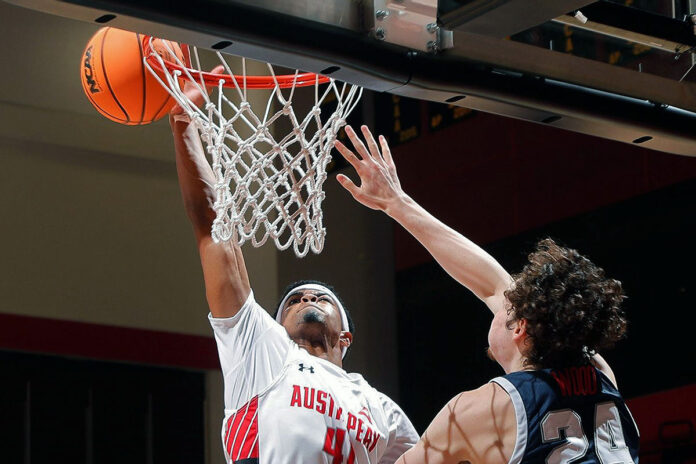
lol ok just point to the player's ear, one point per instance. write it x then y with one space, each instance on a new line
519 329
345 339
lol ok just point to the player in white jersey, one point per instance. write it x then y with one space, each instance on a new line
287 397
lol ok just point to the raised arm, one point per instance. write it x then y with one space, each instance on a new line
226 280
380 189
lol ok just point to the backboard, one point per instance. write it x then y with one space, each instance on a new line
618 69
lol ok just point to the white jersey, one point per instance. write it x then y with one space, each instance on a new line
283 405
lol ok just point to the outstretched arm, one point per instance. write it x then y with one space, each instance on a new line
226 280
380 189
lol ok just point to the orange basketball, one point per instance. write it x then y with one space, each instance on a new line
116 80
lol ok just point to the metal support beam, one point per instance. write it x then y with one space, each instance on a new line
502 18
481 72
554 103
629 36
641 22
537 61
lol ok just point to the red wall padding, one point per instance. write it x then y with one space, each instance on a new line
95 341
666 421
492 177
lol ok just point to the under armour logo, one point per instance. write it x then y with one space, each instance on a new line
309 368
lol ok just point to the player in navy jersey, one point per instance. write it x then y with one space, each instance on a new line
558 402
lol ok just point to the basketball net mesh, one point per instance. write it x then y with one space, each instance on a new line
265 186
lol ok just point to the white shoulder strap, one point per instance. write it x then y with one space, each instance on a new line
520 414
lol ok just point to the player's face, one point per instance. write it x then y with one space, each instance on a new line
308 311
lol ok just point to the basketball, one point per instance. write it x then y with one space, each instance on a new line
117 82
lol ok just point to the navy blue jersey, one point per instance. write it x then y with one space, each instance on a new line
573 415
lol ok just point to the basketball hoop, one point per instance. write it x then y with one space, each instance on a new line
267 185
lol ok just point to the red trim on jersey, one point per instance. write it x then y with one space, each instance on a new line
242 434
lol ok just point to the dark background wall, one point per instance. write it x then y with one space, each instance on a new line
69 410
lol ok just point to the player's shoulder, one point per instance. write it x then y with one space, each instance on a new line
356 378
359 382
481 410
364 386
476 426
481 401
376 397
489 409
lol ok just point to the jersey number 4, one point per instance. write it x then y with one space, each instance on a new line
333 446
609 442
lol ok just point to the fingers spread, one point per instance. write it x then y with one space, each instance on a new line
348 184
357 143
386 152
347 154
374 150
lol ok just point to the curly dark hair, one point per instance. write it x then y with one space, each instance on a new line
572 310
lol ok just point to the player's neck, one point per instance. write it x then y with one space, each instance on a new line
322 349
518 363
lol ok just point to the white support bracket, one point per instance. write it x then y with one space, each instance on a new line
410 23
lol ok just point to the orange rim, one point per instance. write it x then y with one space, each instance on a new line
212 80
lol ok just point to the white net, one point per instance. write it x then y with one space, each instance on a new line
267 185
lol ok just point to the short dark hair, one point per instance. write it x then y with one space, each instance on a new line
572 310
299 283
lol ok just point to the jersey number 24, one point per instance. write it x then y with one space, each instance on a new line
610 445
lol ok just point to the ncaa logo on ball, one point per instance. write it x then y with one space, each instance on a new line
89 74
